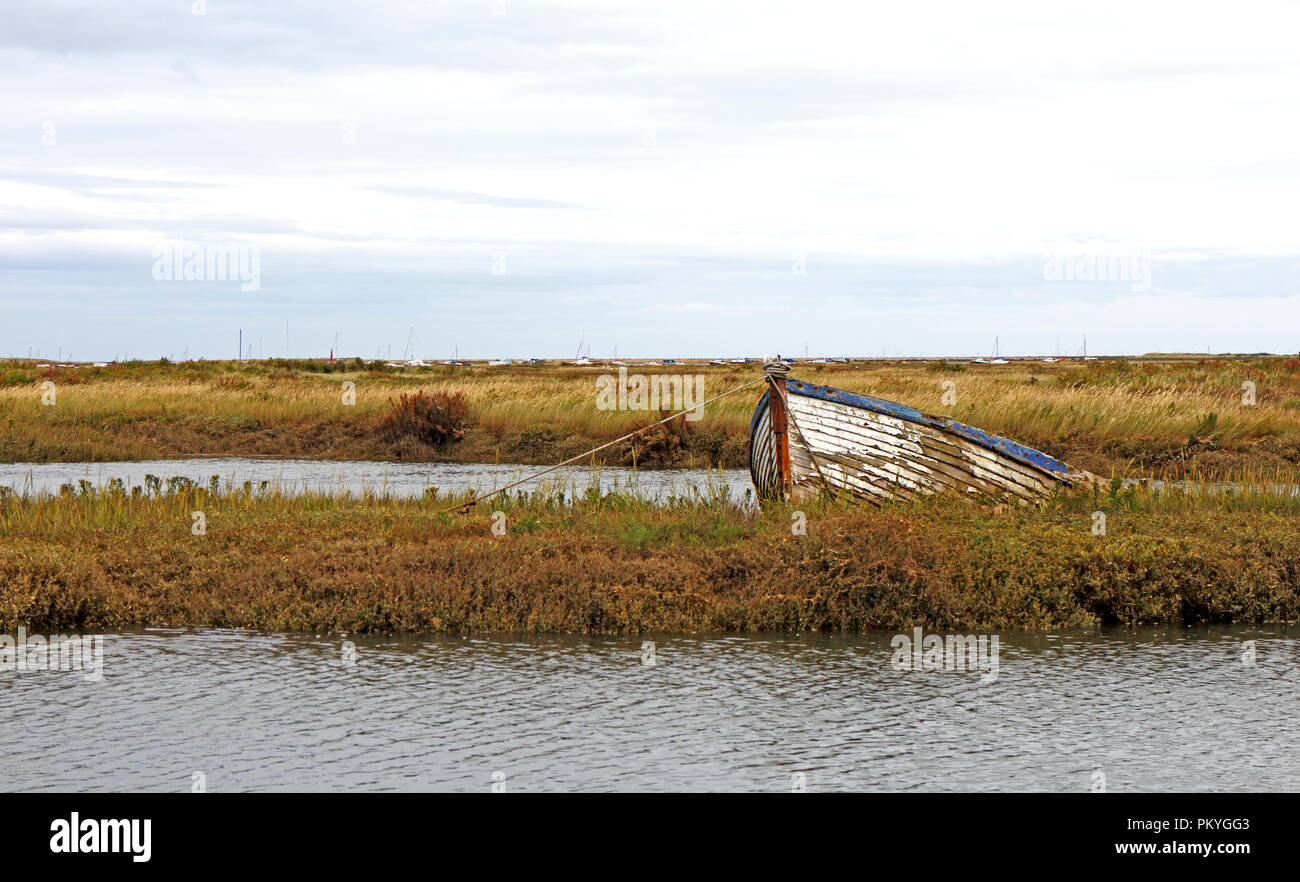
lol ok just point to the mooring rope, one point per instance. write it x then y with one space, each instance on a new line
480 497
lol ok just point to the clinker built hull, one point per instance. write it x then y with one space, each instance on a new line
806 438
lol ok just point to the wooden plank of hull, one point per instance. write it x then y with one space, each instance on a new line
762 452
918 457
880 456
906 462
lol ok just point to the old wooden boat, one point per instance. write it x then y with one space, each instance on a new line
806 439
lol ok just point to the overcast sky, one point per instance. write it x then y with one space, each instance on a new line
509 178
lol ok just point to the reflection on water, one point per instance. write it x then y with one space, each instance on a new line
393 478
1150 710
405 479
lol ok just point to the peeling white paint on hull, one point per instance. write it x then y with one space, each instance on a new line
879 450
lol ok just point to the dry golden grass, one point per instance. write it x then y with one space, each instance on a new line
1105 416
503 402
1024 400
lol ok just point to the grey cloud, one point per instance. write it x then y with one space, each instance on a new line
54 221
468 198
310 35
79 181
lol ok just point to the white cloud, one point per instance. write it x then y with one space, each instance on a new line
679 153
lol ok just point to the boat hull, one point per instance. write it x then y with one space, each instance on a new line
820 439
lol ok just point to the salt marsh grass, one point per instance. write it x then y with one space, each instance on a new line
1135 418
574 560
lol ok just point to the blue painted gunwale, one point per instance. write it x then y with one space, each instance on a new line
1005 446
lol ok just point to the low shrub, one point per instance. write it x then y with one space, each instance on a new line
433 419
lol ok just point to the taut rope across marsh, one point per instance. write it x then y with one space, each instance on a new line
480 497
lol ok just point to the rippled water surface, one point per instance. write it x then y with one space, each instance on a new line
1149 710
393 478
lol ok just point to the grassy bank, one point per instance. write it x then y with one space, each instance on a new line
524 414
607 564
1140 418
